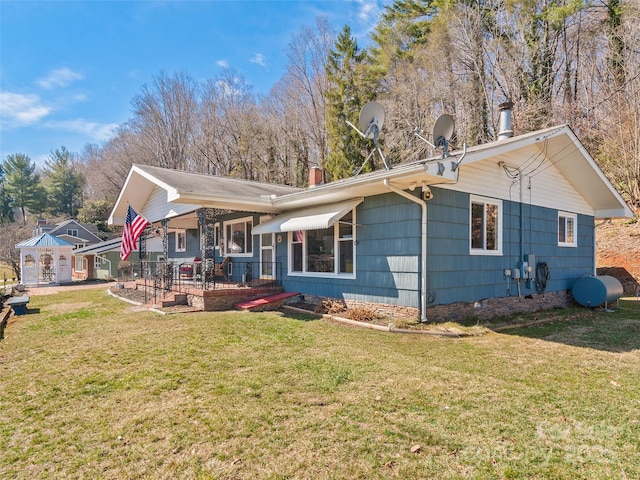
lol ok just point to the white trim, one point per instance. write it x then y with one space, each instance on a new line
225 251
574 220
272 249
180 233
336 252
500 215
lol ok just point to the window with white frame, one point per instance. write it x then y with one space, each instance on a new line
485 219
79 263
567 235
72 232
237 237
328 251
181 240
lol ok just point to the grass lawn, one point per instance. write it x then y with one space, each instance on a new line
91 388
6 272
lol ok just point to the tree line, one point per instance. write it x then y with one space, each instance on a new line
558 61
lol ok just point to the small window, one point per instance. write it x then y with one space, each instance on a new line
73 233
567 235
181 241
485 226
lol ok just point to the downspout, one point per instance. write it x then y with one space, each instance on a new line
423 255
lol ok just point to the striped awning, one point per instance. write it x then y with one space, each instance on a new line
314 218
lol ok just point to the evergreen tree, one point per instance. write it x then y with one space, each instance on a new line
64 183
22 184
404 25
349 89
6 212
96 212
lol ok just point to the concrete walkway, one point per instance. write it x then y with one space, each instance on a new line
52 289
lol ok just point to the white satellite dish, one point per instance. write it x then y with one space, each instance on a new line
442 133
371 120
443 130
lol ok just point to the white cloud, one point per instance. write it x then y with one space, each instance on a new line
223 63
18 110
60 77
259 59
368 11
96 131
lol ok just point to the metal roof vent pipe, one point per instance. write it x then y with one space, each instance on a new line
505 130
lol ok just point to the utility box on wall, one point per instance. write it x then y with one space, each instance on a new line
528 266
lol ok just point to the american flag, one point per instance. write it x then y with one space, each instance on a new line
133 228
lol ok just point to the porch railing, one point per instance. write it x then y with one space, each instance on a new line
162 277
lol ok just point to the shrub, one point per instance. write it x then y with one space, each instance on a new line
361 314
330 306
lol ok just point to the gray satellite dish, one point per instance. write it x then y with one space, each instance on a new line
442 133
371 120
443 130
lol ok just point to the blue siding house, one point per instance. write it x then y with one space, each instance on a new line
500 222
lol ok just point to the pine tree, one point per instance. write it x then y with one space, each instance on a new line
349 90
6 212
22 184
64 183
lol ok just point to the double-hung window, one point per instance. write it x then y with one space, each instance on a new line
485 226
79 263
237 237
181 241
567 229
326 251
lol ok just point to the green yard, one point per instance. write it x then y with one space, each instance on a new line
90 388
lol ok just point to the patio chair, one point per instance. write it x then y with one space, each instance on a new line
220 269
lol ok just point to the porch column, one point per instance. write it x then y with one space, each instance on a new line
165 238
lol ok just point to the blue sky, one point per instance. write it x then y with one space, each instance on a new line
69 69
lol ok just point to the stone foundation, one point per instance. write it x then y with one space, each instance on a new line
461 311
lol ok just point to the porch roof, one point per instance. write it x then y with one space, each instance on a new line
159 193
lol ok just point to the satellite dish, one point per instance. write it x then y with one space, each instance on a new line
443 130
371 119
442 133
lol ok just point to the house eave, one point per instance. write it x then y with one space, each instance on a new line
431 171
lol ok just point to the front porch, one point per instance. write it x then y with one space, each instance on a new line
204 287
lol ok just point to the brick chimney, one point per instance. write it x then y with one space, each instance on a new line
315 176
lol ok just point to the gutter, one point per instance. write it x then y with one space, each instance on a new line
423 254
